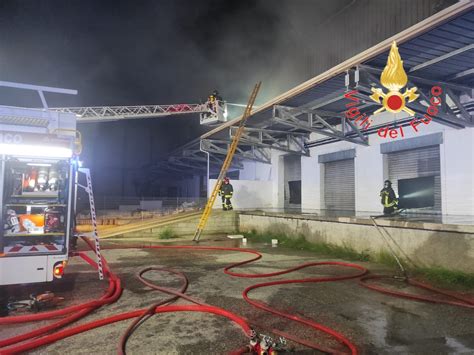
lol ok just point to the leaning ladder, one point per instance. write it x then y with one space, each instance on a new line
226 165
88 190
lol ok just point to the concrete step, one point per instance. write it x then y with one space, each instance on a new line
220 222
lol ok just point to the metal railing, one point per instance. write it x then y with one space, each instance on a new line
121 206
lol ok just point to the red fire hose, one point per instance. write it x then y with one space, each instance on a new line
458 299
113 292
39 337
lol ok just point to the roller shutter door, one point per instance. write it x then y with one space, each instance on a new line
339 185
415 163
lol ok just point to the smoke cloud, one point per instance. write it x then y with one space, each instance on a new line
173 51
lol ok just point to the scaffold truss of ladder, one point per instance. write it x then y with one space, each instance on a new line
89 191
226 164
103 113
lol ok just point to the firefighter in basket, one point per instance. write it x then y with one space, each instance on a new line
213 100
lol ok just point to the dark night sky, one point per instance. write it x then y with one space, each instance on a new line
154 52
144 52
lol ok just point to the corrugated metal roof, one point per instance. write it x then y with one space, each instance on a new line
453 35
447 38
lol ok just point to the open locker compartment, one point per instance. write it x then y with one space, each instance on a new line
35 206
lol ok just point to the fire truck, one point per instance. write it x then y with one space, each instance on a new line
37 170
39 177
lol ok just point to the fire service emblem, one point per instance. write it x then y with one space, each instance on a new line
394 78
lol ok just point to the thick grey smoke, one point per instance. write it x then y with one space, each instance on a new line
122 52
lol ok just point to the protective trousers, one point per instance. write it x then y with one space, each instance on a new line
226 204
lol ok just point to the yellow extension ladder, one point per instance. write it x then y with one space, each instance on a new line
226 165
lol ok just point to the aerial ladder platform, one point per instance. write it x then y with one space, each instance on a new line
210 112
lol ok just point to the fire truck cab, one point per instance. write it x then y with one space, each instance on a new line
37 175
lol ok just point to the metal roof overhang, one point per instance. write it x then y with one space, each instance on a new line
437 51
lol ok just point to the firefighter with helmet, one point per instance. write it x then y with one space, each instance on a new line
226 191
215 96
213 100
389 199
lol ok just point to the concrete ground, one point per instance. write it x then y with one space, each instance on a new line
376 323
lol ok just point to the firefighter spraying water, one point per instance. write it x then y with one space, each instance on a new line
389 199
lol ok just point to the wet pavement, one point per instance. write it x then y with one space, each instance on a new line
375 323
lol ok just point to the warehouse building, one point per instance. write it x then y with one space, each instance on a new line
304 49
302 150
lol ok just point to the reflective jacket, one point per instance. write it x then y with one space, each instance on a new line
389 199
226 190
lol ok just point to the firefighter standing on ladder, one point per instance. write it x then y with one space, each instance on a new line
389 199
226 193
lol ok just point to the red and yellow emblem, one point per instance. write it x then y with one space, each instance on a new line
394 78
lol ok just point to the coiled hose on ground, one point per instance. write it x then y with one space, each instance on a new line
43 336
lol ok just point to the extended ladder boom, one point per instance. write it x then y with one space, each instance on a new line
114 113
211 112
226 165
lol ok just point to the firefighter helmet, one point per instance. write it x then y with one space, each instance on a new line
388 182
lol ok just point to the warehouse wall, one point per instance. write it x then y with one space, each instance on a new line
457 171
249 194
456 160
278 179
368 177
256 171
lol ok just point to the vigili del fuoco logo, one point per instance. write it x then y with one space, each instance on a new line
394 79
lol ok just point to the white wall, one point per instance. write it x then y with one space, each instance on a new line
248 194
368 166
310 182
262 185
278 179
457 172
255 171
